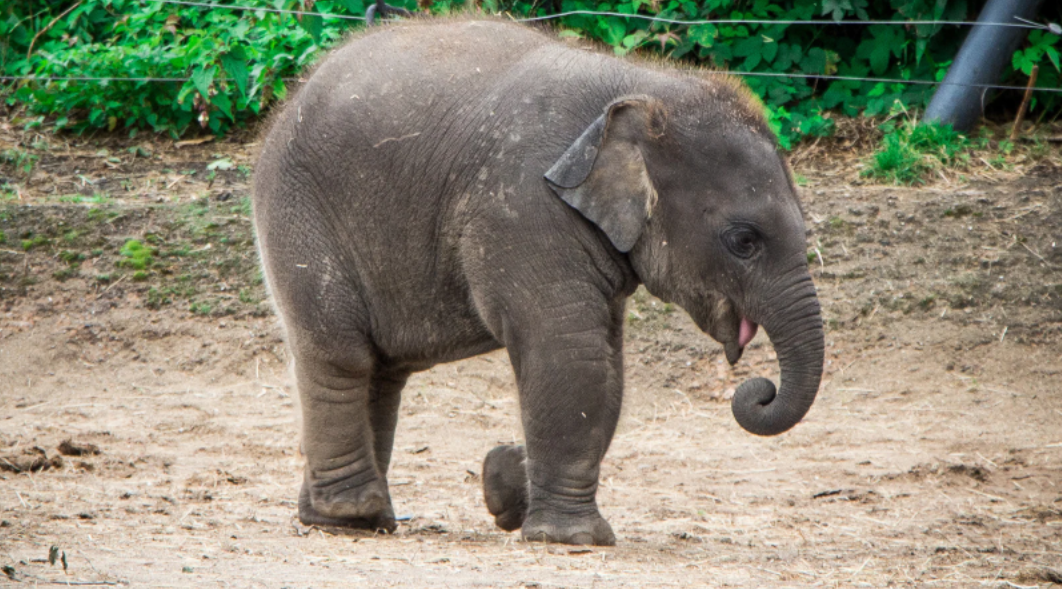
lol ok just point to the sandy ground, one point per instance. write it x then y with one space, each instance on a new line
932 458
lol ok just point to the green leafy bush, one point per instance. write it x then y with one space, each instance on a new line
237 61
799 107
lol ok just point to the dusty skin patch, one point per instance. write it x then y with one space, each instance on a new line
932 458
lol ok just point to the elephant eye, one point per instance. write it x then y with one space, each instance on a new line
742 241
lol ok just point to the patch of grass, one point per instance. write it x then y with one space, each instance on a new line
927 303
140 276
21 159
157 298
911 151
103 278
200 308
3 237
71 258
97 198
181 251
138 256
64 273
243 208
103 215
34 242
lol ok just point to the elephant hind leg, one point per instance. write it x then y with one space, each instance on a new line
385 397
344 482
505 486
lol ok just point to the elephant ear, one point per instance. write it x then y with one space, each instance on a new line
603 174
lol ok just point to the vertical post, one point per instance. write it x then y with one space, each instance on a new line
984 53
1024 104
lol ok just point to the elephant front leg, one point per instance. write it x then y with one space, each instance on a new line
344 483
570 395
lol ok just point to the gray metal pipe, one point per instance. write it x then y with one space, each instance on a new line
981 60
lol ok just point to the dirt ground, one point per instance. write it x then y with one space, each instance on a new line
932 458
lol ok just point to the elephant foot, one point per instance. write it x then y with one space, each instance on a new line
505 486
565 529
365 508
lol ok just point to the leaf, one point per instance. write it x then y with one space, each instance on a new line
837 93
814 62
837 7
313 25
788 54
224 104
920 49
887 41
879 58
769 49
633 40
221 164
202 78
1052 54
235 64
748 47
614 31
703 35
354 6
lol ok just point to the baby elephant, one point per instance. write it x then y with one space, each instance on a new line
441 189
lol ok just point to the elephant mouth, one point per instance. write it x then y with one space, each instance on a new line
747 329
722 319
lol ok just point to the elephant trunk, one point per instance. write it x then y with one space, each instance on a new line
793 322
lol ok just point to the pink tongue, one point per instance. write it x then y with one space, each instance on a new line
747 332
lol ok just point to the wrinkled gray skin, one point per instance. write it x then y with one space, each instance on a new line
442 189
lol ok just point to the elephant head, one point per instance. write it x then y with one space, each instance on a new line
696 194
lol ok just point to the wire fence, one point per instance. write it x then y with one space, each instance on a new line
1024 24
728 72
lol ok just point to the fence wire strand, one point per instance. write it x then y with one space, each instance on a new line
263 9
710 72
716 21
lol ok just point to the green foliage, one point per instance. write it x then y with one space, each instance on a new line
70 257
800 107
200 308
22 160
237 60
137 256
911 151
34 241
64 274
